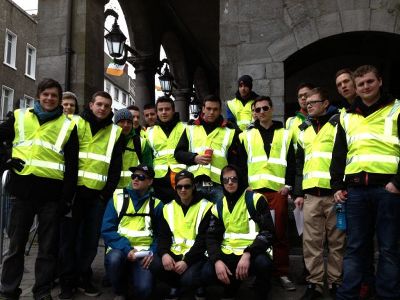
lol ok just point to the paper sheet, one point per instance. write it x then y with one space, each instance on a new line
299 218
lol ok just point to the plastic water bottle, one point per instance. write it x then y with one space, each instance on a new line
340 217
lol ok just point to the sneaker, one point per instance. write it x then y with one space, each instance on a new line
89 290
173 294
311 293
200 294
286 283
66 293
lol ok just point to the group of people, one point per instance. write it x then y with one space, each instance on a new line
206 202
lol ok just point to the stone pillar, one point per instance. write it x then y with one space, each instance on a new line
182 97
144 88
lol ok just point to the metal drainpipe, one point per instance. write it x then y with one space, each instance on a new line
68 50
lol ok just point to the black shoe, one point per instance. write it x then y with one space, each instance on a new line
89 289
200 294
332 291
311 293
173 294
66 293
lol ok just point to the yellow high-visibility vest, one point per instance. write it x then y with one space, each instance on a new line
242 113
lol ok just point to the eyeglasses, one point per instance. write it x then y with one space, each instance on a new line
184 186
312 103
140 177
232 179
264 108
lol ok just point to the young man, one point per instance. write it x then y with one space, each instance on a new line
136 150
367 154
135 111
69 103
240 232
345 86
163 139
129 227
150 114
209 132
239 109
314 195
44 168
181 242
269 156
100 162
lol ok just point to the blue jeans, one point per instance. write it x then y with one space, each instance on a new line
121 271
363 206
211 193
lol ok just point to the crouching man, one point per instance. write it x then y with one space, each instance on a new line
128 229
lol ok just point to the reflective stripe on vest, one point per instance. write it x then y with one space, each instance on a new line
184 227
241 113
41 146
292 124
372 141
129 159
93 166
263 171
164 147
219 140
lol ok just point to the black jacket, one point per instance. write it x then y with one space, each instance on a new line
23 186
317 124
197 251
340 150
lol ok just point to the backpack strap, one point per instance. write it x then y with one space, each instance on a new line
250 205
124 207
219 208
138 147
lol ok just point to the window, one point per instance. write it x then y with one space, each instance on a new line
10 49
26 102
7 96
116 94
30 66
107 86
123 98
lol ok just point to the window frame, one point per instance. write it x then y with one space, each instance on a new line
33 62
3 114
13 58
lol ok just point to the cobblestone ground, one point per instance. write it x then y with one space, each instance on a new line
245 292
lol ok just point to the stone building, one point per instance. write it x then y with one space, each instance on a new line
18 44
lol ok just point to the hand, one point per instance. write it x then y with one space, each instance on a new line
15 163
299 201
222 272
168 262
202 159
340 196
146 261
131 255
64 207
242 268
181 267
284 191
391 188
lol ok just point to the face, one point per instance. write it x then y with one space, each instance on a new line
126 126
244 91
367 87
211 111
302 96
345 86
135 118
69 106
316 106
150 116
230 181
253 113
140 181
101 107
49 99
263 110
165 112
184 188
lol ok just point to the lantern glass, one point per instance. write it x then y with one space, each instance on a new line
115 40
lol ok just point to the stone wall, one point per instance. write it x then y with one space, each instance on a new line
256 36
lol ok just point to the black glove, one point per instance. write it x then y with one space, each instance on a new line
15 163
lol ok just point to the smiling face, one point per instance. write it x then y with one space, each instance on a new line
126 126
230 181
184 188
69 106
101 107
49 99
368 87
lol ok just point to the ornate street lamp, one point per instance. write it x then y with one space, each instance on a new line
166 79
194 106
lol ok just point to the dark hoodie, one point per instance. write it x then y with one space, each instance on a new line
197 251
216 228
317 123
340 150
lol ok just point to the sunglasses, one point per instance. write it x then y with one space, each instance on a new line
232 179
264 108
140 177
184 186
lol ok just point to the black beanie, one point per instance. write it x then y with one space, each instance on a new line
247 81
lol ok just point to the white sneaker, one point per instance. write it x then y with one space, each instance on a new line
286 283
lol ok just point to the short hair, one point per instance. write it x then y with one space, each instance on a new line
362 70
165 99
48 83
320 91
101 94
344 71
263 98
303 85
133 107
212 98
149 106
71 95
